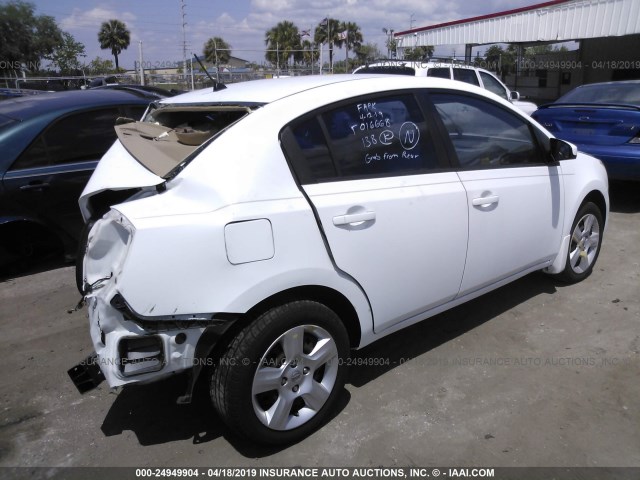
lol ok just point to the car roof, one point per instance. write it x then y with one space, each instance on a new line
418 64
613 84
156 92
27 107
262 91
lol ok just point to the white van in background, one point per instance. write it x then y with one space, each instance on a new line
464 73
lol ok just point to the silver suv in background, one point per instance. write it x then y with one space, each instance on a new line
464 73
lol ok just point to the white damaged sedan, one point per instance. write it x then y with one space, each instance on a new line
259 232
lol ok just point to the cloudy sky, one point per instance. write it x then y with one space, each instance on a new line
243 23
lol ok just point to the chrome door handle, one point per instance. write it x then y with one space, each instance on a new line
354 218
482 201
34 186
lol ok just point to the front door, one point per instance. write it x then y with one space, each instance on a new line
514 194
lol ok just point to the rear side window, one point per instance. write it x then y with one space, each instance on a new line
439 72
311 141
78 137
483 134
466 75
379 137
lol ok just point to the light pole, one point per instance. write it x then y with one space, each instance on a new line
389 33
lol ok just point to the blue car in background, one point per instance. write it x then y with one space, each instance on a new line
603 120
49 146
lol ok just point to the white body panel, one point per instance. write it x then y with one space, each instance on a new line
520 227
402 275
117 170
428 247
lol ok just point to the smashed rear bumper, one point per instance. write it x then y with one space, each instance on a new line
87 374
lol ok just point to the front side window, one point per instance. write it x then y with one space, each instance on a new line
385 136
493 85
485 135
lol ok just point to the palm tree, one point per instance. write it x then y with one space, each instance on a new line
217 51
354 36
283 43
310 53
328 31
391 43
114 35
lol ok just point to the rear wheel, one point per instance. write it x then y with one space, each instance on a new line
584 246
281 375
23 245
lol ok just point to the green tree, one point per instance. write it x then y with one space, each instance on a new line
544 50
391 43
99 66
283 43
217 51
368 52
310 53
115 36
328 31
26 38
493 57
65 56
418 53
354 36
500 60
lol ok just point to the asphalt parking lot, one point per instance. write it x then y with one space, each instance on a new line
536 373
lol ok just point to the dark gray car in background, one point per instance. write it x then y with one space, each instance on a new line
49 146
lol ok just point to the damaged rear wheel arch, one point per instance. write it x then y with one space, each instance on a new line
324 295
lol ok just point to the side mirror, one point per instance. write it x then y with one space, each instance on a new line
561 150
515 96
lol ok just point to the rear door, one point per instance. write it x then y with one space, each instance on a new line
46 180
394 219
514 195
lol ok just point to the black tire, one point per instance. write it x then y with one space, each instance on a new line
25 245
584 245
260 346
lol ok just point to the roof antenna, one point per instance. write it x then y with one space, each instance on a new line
216 85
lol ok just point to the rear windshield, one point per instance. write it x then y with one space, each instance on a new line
626 93
170 136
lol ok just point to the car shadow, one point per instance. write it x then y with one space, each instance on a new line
31 267
624 196
418 339
151 413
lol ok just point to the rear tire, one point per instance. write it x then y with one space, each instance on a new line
24 245
281 375
584 245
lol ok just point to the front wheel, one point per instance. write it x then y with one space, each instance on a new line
584 246
282 374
